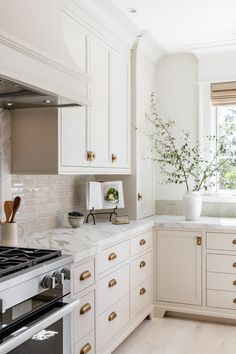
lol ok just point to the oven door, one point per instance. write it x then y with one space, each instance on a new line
44 332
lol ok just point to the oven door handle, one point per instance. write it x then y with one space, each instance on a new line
29 332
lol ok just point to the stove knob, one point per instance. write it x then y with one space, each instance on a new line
66 273
48 282
59 277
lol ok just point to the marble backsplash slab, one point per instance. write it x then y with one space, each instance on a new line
175 207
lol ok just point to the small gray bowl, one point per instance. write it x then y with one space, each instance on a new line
76 221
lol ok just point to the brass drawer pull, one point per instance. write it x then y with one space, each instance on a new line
86 349
199 241
142 264
85 275
142 242
234 265
86 308
113 158
142 291
112 316
234 282
234 301
112 283
234 242
91 155
112 256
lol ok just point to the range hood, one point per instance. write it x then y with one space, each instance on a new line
14 96
41 64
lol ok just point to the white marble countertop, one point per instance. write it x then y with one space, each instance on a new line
87 240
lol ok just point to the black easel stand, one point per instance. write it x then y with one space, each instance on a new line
93 213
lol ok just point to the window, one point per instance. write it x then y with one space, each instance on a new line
225 115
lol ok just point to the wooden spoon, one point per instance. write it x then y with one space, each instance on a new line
8 208
16 205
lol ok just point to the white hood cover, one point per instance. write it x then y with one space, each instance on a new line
34 49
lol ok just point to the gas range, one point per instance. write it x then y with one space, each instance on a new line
13 259
35 296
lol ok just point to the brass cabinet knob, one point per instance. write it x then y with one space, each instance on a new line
142 264
91 155
112 283
142 242
234 242
234 265
86 349
113 158
199 241
112 256
140 196
85 308
142 291
112 316
85 275
234 282
234 301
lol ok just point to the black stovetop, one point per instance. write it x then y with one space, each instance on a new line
14 259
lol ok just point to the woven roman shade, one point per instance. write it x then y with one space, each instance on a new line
223 93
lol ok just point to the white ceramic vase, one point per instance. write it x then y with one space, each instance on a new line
192 205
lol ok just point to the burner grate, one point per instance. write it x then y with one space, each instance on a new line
13 259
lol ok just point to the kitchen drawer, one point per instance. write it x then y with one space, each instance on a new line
141 269
221 299
221 281
83 276
112 288
141 297
85 345
112 256
141 242
221 263
112 322
221 241
84 317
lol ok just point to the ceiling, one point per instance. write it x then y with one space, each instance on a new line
185 25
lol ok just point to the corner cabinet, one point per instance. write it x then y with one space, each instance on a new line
81 140
178 267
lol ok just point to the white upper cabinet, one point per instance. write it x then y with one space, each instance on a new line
73 139
99 112
120 110
91 140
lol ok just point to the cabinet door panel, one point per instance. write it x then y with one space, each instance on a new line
178 267
73 136
120 111
100 108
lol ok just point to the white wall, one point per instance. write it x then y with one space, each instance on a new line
177 99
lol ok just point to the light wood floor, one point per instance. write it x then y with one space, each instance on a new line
179 336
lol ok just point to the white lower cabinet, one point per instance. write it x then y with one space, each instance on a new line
112 321
179 267
84 316
116 294
141 269
85 345
111 288
141 297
